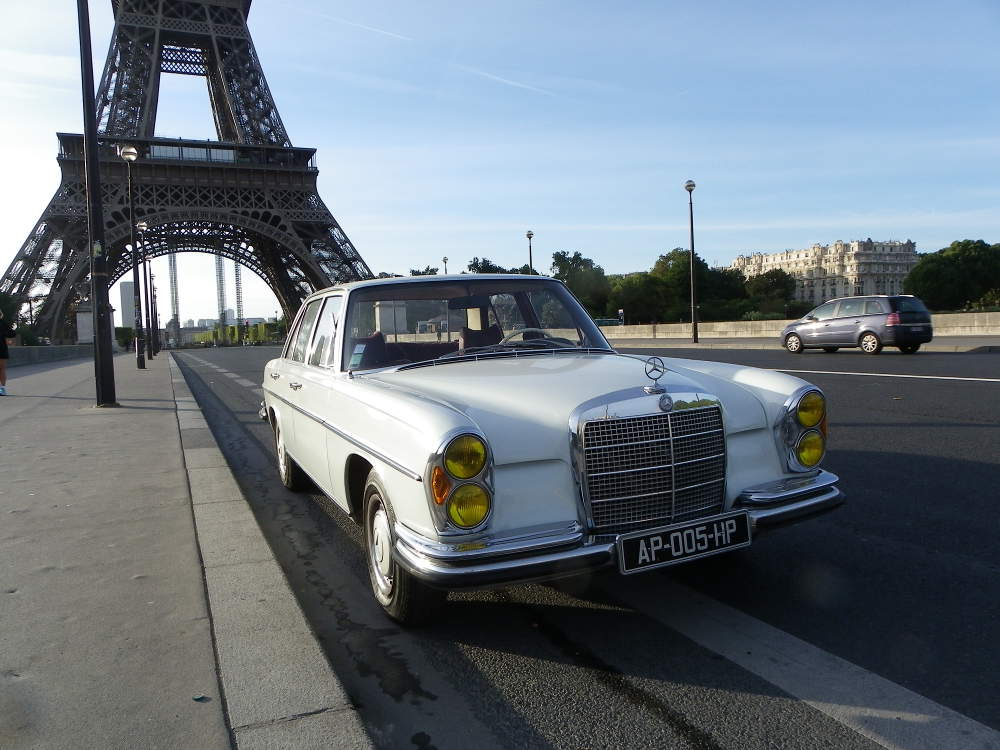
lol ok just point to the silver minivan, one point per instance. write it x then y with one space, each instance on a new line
869 322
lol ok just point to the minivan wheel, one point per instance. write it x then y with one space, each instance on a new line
404 598
870 343
793 343
830 349
909 348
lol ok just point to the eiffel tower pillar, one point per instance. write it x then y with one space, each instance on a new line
249 196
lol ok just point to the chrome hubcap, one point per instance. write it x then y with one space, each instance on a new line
380 550
282 467
793 343
868 343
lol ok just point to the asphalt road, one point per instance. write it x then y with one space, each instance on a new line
898 590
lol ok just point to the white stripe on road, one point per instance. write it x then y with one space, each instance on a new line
236 378
890 375
881 710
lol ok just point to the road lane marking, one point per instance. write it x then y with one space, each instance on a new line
890 375
886 713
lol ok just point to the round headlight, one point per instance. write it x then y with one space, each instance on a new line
469 506
465 456
810 448
811 409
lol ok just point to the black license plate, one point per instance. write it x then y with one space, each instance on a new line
669 545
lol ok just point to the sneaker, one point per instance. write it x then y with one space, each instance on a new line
3 391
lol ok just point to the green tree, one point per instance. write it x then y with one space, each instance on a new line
124 336
961 273
485 265
640 295
9 308
775 284
584 278
428 271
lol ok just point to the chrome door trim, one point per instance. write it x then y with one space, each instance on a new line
353 440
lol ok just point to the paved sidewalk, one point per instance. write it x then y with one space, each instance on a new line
108 635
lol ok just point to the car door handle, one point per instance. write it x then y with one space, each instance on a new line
295 386
275 376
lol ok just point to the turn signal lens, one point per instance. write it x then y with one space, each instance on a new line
811 409
469 506
810 448
440 485
465 457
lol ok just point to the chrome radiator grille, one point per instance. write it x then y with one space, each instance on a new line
656 469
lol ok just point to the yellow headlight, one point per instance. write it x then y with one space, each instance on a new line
465 457
811 409
810 448
469 506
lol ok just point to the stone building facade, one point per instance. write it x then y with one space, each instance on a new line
840 269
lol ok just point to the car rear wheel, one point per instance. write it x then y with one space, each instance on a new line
870 343
830 349
909 348
403 597
793 343
291 475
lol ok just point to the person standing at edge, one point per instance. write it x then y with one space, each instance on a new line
6 332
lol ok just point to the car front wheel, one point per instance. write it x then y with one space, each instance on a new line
870 343
793 343
403 597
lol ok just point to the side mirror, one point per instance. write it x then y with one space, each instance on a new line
811 317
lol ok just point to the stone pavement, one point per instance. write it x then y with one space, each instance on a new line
140 607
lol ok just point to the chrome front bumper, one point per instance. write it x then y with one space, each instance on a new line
564 550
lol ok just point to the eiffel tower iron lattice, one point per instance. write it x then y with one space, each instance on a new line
250 196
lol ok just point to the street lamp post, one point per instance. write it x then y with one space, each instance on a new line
445 261
689 186
130 154
104 366
531 265
155 313
142 227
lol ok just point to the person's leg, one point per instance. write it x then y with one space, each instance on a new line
3 372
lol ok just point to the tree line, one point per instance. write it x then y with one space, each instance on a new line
662 294
963 276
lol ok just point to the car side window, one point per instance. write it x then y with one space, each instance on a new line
851 307
873 307
326 332
304 332
824 312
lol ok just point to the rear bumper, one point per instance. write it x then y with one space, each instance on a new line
897 335
557 552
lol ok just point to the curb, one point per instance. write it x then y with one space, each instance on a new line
278 687
769 344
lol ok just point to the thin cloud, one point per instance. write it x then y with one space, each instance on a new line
505 81
344 21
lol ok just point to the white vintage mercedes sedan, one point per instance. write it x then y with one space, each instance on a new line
482 431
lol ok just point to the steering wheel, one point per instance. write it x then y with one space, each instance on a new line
520 331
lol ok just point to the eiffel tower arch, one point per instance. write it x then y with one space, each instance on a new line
249 196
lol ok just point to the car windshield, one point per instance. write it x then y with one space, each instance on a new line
404 323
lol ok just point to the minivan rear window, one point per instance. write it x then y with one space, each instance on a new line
909 304
873 307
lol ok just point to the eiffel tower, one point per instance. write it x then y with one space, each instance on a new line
250 196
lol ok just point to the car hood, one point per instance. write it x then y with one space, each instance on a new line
523 404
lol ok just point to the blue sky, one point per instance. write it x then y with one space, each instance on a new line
448 128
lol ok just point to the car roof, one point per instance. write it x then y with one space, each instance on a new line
868 296
395 280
